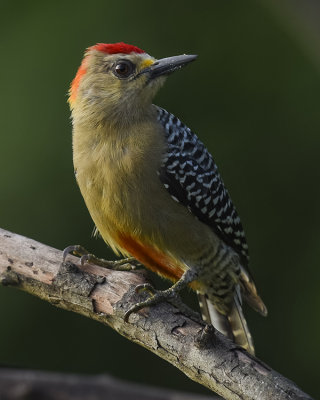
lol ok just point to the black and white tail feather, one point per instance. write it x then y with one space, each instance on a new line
233 325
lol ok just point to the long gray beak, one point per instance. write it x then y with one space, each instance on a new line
166 66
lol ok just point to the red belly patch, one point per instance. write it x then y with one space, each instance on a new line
158 262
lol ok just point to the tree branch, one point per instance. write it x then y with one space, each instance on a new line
105 295
16 384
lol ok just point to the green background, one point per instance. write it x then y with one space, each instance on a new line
252 96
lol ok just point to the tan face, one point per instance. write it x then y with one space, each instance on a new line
117 80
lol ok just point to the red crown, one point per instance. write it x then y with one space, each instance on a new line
115 48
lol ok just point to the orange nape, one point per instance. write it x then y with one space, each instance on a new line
76 81
155 260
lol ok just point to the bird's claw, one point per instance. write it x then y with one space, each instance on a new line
145 287
157 296
85 259
76 250
126 264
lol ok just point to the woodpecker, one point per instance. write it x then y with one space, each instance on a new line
152 188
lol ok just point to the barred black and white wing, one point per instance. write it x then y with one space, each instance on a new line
191 176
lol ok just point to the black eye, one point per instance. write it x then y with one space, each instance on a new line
123 69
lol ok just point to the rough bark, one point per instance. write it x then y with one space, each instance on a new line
105 295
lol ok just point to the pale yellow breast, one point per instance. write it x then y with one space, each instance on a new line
115 171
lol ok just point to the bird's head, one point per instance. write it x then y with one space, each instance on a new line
119 80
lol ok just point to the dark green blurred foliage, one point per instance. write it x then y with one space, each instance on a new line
253 98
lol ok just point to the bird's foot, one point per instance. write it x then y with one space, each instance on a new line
158 296
126 264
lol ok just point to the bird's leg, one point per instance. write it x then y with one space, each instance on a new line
158 296
126 264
